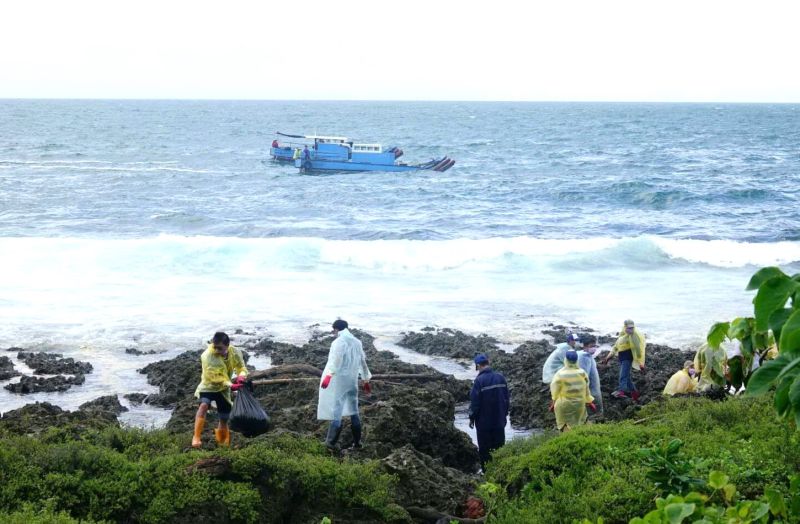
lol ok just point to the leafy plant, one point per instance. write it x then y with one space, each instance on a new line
669 469
775 291
718 504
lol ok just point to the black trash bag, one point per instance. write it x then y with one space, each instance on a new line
247 416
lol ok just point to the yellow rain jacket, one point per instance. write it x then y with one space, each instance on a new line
217 371
679 383
570 392
635 343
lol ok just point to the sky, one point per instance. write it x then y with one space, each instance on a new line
693 51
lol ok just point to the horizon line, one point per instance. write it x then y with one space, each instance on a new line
500 101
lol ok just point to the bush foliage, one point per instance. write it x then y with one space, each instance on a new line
596 471
127 475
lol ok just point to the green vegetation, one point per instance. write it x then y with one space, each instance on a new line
775 324
118 475
598 471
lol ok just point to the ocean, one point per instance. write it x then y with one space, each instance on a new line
152 224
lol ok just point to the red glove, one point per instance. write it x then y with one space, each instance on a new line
236 386
326 381
241 379
591 406
642 369
552 406
367 388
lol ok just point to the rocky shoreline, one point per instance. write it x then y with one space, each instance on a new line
408 424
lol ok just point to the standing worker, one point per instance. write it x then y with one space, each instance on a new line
682 381
587 363
220 361
570 393
338 395
630 348
488 408
555 360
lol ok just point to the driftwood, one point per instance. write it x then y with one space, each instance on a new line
301 369
375 378
432 515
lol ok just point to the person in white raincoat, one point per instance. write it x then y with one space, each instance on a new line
555 361
338 394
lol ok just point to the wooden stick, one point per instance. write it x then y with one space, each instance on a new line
303 369
376 378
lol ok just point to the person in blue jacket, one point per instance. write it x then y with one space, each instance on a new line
488 409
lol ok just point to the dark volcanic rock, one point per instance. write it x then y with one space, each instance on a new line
108 404
661 363
53 364
7 370
315 353
176 378
530 398
448 343
138 352
29 384
395 414
39 417
559 333
421 417
426 482
136 398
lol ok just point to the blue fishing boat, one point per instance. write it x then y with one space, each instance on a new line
336 153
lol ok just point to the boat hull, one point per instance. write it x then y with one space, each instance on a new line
344 165
282 154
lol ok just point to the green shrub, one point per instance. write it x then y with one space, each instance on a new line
30 515
121 475
595 472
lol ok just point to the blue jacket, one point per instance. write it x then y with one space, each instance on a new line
489 400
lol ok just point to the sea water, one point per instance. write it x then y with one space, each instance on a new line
152 224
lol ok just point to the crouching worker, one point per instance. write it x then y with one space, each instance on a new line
682 381
570 393
488 408
338 394
220 362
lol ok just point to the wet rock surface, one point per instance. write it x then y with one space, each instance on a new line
448 343
416 412
53 364
315 353
7 370
28 384
138 352
530 397
136 398
176 378
41 416
426 482
559 333
108 404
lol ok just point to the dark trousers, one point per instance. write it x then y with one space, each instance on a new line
488 441
625 382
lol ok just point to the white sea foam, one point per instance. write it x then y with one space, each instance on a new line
92 298
175 284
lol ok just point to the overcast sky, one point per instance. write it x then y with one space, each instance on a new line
699 50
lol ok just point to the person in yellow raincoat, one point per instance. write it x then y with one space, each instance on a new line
570 393
220 362
630 348
682 381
